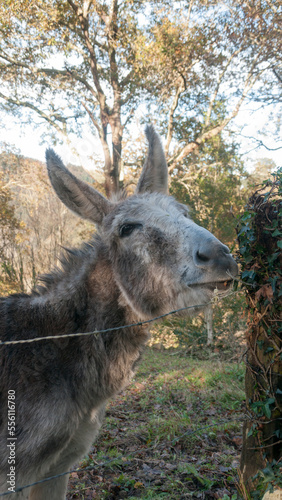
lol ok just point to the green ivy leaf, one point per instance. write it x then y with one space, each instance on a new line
248 274
252 431
267 411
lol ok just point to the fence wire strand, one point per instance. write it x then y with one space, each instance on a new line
97 332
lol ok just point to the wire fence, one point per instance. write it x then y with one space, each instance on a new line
97 332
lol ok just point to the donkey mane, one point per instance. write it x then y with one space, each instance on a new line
70 263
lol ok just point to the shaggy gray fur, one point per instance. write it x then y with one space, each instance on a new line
147 258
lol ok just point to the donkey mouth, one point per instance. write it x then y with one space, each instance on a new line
215 285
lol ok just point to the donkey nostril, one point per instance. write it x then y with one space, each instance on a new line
202 257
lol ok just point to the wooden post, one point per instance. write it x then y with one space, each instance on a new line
208 320
260 236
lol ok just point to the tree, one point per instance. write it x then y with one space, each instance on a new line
95 77
262 170
204 61
34 225
8 227
211 185
196 64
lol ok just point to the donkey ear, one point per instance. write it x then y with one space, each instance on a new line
154 176
75 194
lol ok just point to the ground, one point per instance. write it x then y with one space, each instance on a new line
174 433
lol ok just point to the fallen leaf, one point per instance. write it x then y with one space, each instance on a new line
266 292
138 484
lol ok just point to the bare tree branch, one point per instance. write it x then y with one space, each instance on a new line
279 78
41 113
181 87
204 136
260 143
48 71
92 117
219 81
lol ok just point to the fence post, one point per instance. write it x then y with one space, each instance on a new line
208 320
260 243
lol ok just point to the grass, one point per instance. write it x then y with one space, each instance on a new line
174 433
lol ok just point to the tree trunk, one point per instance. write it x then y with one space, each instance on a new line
260 247
116 155
262 435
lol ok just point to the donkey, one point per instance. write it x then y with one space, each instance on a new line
146 258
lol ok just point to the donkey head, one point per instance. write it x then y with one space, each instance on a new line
160 258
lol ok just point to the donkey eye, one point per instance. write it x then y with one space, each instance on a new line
127 229
186 213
